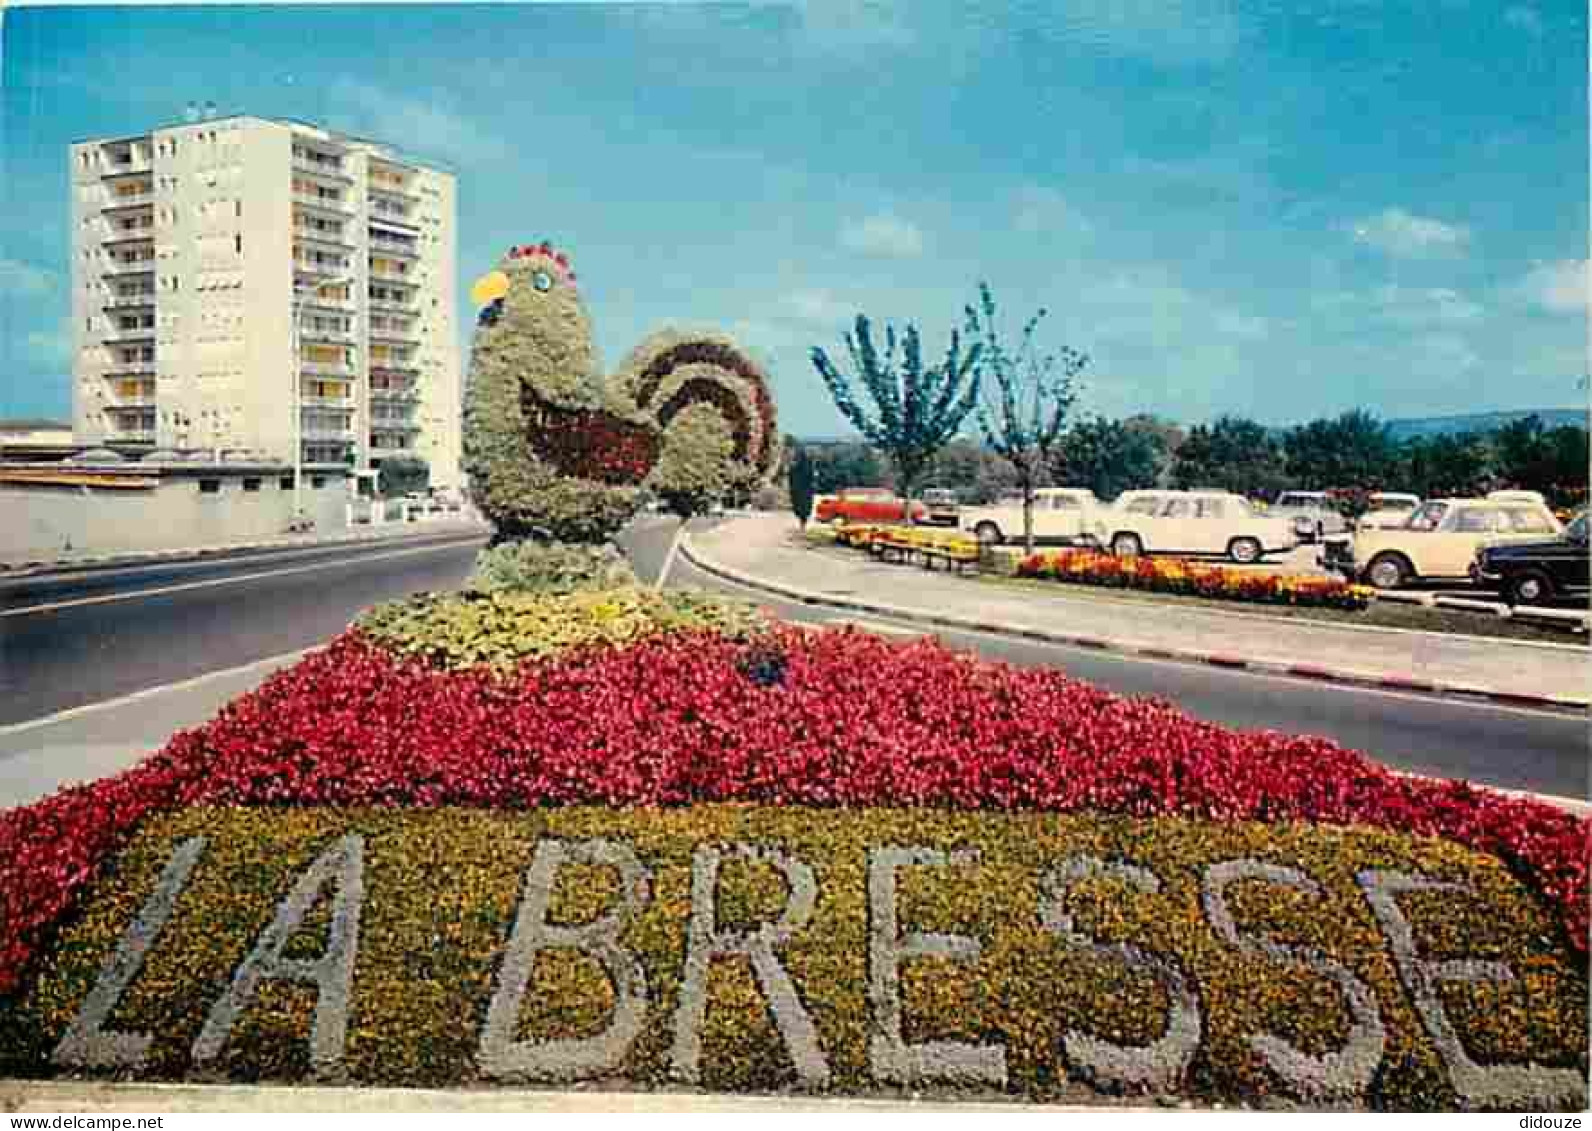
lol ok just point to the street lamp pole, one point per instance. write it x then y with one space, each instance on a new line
299 293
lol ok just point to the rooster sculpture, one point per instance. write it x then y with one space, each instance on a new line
552 446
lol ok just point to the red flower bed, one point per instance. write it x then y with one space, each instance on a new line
846 719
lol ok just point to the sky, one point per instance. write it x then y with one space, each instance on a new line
1275 208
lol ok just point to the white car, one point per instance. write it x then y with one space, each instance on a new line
1440 540
1311 512
1205 522
1389 509
1061 514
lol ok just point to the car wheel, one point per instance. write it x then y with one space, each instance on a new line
988 533
1244 551
1127 546
1388 571
1529 587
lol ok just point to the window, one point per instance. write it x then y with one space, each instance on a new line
1526 520
237 243
251 484
1143 506
1211 508
1428 517
210 486
1178 508
1475 520
285 483
317 481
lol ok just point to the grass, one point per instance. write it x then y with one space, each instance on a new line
1381 614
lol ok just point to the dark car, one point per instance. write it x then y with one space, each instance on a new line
1538 573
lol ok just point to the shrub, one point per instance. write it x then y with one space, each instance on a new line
501 630
556 567
1180 576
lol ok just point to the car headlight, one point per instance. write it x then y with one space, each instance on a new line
1304 525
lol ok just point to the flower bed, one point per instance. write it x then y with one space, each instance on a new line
1187 578
757 949
426 707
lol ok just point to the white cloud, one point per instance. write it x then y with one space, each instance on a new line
1423 305
18 278
883 236
817 309
423 125
1038 209
1525 18
1564 286
1401 233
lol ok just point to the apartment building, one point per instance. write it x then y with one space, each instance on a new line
247 283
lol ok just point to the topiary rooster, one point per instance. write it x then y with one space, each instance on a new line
553 446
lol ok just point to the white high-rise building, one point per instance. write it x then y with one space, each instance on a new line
217 264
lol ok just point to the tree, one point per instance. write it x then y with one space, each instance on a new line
1111 456
844 465
1232 454
1446 465
917 410
1351 450
801 486
1026 400
401 475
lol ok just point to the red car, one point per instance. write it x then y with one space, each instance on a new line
866 504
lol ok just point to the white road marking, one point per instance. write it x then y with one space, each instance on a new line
147 692
136 594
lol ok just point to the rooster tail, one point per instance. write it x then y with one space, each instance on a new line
670 372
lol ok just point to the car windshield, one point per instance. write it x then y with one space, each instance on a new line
1299 501
1576 531
1427 517
1385 504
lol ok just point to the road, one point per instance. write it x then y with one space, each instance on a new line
85 639
1512 748
77 638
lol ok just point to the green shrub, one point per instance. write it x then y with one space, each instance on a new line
542 567
500 630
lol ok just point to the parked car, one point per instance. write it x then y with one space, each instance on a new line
866 504
1439 540
1061 515
943 505
1389 509
1538 573
1311 512
1141 501
1197 522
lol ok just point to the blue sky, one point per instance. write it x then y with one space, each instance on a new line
1275 209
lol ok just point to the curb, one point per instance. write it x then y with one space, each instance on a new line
22 570
1372 680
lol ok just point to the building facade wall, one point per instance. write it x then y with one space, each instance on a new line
243 215
42 523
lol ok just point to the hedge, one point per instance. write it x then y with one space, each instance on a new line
1037 955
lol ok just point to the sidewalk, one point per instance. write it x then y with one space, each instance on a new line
387 532
755 551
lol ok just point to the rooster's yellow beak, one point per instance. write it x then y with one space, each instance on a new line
489 288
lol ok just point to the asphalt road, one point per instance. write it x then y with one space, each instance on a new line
67 641
70 639
1513 748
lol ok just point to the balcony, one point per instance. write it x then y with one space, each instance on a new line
394 336
392 215
134 334
125 436
120 201
135 167
335 206
394 306
130 369
394 396
321 433
401 248
118 267
396 192
309 268
141 402
336 404
333 337
132 301
388 367
118 236
392 278
308 301
326 169
338 369
321 238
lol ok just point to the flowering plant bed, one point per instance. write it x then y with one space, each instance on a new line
788 948
1180 576
814 730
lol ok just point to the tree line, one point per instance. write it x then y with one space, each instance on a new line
1353 451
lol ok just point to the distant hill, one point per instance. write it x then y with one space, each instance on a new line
1482 422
